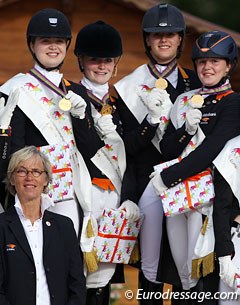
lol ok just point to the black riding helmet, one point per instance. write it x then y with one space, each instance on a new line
48 23
216 44
163 18
98 39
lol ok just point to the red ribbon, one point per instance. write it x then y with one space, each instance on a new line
194 178
60 170
119 237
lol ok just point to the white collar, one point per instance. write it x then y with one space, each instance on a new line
46 203
54 76
160 68
98 90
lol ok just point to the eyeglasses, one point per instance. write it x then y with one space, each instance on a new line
23 172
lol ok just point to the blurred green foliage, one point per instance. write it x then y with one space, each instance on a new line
225 13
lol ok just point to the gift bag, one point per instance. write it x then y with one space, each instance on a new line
61 188
116 236
193 193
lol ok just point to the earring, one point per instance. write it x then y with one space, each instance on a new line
80 64
45 189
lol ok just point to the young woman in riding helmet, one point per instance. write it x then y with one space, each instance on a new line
163 29
40 120
98 49
199 133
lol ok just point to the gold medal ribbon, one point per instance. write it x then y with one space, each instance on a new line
39 76
165 73
105 107
218 90
64 104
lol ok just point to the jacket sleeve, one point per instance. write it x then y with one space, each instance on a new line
227 127
3 299
4 155
174 141
136 136
129 184
222 210
87 139
18 125
76 278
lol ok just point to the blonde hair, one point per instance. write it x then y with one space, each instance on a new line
23 155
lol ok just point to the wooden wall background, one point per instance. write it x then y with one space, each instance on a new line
14 54
14 17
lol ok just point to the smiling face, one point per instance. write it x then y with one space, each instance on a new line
29 188
96 69
211 70
49 51
163 46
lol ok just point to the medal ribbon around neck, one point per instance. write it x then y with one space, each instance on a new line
104 102
165 73
64 104
34 72
219 90
197 100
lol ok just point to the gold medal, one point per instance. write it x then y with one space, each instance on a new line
161 83
197 101
106 109
65 104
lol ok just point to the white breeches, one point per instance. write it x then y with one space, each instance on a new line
102 276
151 232
102 199
236 260
183 231
68 208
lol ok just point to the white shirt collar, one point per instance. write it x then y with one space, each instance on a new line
46 203
160 68
54 76
172 77
98 90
